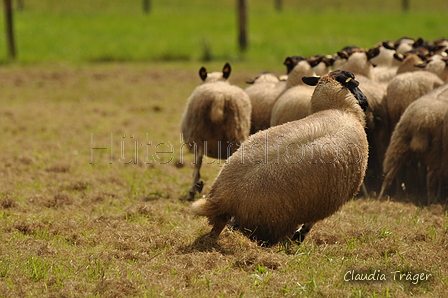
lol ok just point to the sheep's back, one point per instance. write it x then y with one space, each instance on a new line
263 97
406 88
218 114
293 104
419 132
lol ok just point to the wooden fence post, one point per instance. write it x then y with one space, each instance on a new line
278 5
9 29
242 24
146 6
405 5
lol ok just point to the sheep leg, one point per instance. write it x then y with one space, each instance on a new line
300 234
432 186
388 180
196 186
219 224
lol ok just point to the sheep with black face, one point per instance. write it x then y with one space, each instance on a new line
296 173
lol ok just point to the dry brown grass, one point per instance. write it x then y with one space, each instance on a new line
72 229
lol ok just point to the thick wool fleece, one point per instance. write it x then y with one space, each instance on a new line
216 112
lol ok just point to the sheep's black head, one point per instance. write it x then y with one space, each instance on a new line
291 62
347 79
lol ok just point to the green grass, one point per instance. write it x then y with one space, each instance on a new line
104 31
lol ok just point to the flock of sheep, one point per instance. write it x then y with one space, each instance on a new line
297 147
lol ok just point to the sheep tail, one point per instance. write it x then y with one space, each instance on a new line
217 108
201 207
396 154
208 208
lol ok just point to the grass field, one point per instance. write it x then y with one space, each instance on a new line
186 31
82 222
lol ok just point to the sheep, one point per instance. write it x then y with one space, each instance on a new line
410 61
321 64
294 102
384 58
297 67
401 46
421 136
385 64
438 64
296 173
263 92
358 62
404 89
341 57
216 119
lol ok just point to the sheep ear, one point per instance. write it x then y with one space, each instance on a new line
251 81
226 71
203 73
423 64
312 81
315 60
372 53
418 43
343 54
328 60
399 57
388 45
289 63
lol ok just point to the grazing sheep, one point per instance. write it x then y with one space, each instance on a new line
263 92
296 173
215 121
421 136
294 102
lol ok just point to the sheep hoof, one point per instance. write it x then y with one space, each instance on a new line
233 224
199 186
300 234
190 196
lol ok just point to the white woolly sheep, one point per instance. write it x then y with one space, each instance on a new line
296 173
421 137
438 64
404 89
358 62
263 92
410 61
401 46
215 121
294 102
321 64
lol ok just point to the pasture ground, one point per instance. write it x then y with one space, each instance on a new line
83 222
